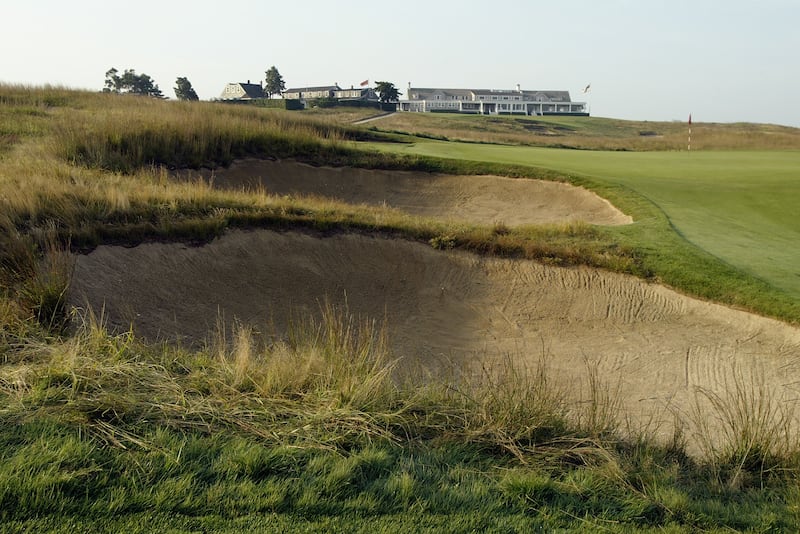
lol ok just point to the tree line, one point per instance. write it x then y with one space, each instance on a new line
141 84
129 82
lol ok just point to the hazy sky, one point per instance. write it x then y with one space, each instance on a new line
721 60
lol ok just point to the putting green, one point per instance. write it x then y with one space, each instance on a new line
740 206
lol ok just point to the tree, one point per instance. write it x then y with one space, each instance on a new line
184 90
387 92
131 83
273 82
113 81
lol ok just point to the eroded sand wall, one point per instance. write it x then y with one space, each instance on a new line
652 345
477 199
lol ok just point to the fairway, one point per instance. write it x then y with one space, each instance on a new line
739 206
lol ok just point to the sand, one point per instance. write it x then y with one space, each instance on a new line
476 199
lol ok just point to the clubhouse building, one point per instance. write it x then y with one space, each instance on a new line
491 101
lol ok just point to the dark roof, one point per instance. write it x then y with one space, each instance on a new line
309 89
552 96
425 92
495 92
253 90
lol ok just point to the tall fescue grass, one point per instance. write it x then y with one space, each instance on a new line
753 432
135 132
330 384
47 96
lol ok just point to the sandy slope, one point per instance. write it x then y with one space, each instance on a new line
652 346
479 199
655 345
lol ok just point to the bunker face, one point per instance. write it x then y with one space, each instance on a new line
476 199
654 346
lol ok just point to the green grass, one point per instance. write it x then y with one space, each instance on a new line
230 484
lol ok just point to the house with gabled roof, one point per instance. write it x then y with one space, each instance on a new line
242 91
491 101
304 94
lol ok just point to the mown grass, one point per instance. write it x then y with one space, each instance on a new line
320 431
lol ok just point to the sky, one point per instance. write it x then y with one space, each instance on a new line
720 60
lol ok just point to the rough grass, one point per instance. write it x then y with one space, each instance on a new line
590 133
130 133
99 430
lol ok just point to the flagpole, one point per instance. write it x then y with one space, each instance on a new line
689 143
586 91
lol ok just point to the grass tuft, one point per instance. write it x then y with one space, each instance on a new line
744 430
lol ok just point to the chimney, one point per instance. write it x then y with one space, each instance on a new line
518 89
248 82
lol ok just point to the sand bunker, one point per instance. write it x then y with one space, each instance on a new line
656 350
653 344
478 199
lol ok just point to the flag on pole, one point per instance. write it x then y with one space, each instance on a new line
587 88
364 83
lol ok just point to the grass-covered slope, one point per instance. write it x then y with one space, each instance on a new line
104 433
590 133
